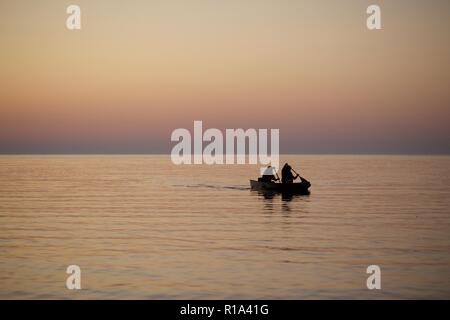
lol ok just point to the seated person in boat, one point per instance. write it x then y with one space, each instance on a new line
268 175
286 174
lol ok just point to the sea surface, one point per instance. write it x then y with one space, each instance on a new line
140 227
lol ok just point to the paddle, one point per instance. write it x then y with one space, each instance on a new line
299 176
296 173
276 173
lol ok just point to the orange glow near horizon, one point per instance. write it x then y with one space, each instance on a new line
138 70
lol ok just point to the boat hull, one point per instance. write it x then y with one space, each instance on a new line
287 188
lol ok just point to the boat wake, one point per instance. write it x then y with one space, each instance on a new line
210 186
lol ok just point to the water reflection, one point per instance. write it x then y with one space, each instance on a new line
134 218
288 200
268 195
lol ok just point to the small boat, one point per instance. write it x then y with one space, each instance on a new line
287 188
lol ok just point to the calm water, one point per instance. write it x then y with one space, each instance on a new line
140 227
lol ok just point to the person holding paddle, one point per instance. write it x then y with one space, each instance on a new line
286 174
269 175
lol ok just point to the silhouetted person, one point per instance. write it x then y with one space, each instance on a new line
286 174
268 175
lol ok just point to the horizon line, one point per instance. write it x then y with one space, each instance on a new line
168 154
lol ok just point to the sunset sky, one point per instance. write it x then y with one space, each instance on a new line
140 69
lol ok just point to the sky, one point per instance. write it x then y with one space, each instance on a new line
137 70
